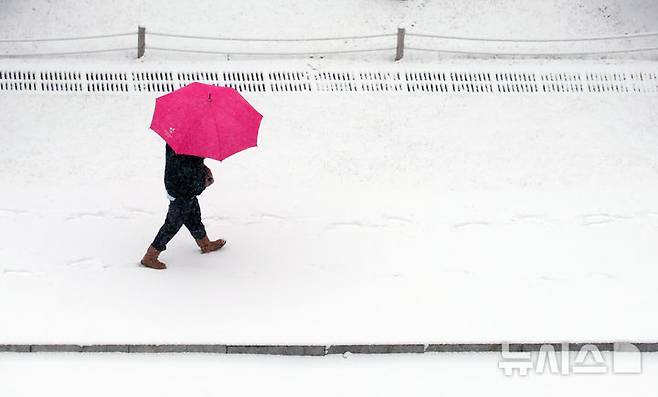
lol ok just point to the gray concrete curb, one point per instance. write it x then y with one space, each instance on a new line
375 349
287 350
309 350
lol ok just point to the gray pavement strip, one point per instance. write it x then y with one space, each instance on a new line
56 348
286 350
375 349
308 350
646 347
178 349
105 349
467 347
15 348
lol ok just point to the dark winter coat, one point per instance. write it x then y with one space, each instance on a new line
185 176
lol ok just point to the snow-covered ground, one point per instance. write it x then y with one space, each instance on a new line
512 19
359 219
209 375
316 18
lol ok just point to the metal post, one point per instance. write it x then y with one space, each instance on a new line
141 41
399 53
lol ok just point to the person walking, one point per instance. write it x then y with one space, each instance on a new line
197 121
185 178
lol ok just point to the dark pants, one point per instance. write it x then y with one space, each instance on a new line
181 212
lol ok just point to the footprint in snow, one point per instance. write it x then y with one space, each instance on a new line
601 275
600 219
528 218
272 216
354 224
82 215
398 220
17 272
9 211
139 211
87 262
463 225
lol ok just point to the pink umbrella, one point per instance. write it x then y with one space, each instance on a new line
206 121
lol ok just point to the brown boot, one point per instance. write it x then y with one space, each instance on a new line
151 259
209 246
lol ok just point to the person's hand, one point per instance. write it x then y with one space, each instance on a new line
209 180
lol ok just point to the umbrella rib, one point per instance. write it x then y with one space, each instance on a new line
219 144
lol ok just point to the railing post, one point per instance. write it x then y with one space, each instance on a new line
141 41
399 53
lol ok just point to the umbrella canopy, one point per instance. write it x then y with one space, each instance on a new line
206 121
